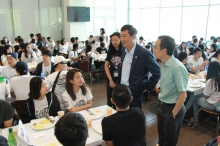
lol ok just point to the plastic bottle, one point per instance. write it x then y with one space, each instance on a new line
11 138
42 74
2 87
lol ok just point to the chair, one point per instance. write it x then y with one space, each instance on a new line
212 112
19 105
84 67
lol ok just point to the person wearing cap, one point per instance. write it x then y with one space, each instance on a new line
60 65
46 66
19 85
8 71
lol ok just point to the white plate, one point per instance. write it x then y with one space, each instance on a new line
97 127
41 126
195 86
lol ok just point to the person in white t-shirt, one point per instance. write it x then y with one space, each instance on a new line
63 46
77 96
41 103
19 85
196 63
60 65
28 55
72 41
73 56
141 41
7 49
211 93
8 71
50 43
213 49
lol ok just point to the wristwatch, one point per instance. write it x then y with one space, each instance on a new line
174 116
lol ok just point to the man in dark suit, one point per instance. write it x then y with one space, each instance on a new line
137 62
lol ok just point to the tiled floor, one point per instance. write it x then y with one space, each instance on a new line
187 137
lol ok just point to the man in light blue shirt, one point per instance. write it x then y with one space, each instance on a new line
137 62
173 85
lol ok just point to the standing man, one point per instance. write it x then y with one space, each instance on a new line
173 85
137 62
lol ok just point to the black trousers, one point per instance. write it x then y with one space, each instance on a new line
168 127
109 93
137 101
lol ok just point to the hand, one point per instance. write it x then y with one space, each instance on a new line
157 90
145 90
112 84
98 60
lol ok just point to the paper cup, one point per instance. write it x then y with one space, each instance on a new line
15 131
108 111
60 114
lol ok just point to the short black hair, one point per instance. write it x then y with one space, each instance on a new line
201 39
141 38
48 38
194 36
31 35
130 28
102 44
76 38
75 46
215 40
101 39
212 37
191 50
121 95
72 39
196 50
181 56
168 43
214 46
91 36
201 46
71 130
147 46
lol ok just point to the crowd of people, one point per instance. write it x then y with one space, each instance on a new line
132 67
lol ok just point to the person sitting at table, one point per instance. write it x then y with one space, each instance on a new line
211 93
19 85
127 126
73 56
216 56
56 81
196 63
101 40
6 114
46 66
7 49
71 130
102 49
63 46
41 103
213 49
72 41
5 41
51 44
190 53
77 96
8 71
91 40
28 55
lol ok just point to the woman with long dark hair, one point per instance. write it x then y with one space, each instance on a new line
211 93
28 55
182 47
77 96
102 33
213 49
5 41
216 56
41 103
112 64
40 41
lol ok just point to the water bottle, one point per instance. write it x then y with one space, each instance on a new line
2 87
11 138
42 74
206 67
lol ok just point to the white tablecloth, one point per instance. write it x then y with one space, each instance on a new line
94 138
196 90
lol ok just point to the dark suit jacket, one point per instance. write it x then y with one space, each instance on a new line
143 62
39 69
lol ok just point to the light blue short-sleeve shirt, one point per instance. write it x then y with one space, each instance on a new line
174 79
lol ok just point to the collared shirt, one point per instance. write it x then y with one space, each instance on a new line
174 79
126 66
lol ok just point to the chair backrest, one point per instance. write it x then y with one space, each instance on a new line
19 105
83 65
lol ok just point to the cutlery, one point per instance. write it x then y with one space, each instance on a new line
48 118
90 112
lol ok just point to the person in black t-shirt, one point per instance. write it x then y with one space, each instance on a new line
102 49
127 126
112 64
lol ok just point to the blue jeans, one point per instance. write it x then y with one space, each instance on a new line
192 99
201 101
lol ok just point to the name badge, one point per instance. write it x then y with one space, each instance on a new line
115 74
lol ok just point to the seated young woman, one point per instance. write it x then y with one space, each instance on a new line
77 96
41 103
211 93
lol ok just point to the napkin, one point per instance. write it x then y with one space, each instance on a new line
39 134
